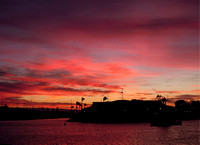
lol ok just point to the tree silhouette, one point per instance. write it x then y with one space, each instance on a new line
164 100
72 107
105 98
84 105
79 104
158 97
82 99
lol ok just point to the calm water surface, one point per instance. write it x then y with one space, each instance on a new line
53 131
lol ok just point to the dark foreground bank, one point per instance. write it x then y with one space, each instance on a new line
29 114
124 111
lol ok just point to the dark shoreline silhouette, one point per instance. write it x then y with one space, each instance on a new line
120 111
135 111
32 113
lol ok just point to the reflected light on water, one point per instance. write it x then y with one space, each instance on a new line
53 131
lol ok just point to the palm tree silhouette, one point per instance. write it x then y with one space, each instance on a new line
84 105
164 100
78 104
105 98
158 97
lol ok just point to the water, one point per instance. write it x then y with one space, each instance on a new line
53 131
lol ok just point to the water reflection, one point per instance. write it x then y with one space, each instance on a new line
53 131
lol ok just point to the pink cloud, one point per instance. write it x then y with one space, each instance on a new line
53 48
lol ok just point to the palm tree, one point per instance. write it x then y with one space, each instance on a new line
105 98
84 105
158 97
164 100
79 104
72 107
82 99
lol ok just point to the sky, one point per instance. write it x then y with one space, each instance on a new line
52 53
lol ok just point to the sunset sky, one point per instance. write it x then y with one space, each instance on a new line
53 52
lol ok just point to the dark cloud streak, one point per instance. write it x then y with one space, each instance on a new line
67 89
30 81
185 97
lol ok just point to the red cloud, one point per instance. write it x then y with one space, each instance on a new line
96 45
